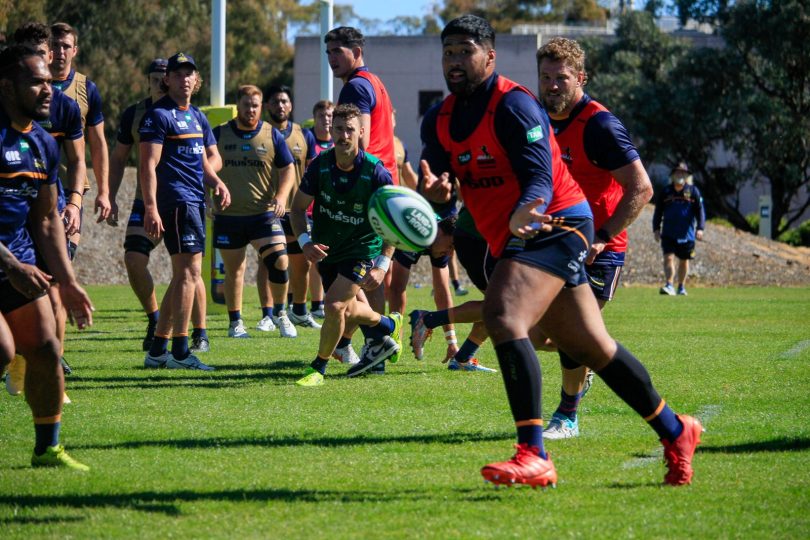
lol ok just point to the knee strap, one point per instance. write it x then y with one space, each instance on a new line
274 274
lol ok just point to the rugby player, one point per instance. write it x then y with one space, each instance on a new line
493 136
351 257
174 170
251 151
31 224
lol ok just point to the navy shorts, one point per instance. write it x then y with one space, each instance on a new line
410 258
604 274
353 270
292 245
474 255
136 238
10 298
560 252
682 250
184 228
234 232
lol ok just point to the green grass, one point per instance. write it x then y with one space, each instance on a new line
242 452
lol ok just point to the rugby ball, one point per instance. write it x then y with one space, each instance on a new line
402 217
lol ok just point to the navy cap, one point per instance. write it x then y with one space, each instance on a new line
158 65
681 166
180 59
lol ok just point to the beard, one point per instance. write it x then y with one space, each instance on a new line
278 118
559 105
38 111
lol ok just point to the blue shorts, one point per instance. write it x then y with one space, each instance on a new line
292 245
353 270
136 214
682 250
560 252
410 258
604 274
234 232
136 238
474 255
184 228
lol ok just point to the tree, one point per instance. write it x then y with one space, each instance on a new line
503 15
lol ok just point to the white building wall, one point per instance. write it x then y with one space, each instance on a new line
407 65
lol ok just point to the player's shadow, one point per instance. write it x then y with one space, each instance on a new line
271 441
185 380
168 503
779 444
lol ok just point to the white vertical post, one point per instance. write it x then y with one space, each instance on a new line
218 52
327 19
765 204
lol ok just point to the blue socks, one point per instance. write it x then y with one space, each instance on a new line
319 365
568 405
180 347
153 317
267 311
467 351
378 331
159 347
434 319
46 435
234 316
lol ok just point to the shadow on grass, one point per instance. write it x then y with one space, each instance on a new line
168 503
25 520
271 441
781 444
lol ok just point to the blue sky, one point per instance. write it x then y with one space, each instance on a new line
387 9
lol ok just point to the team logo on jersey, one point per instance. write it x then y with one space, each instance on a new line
24 146
485 159
261 151
147 123
245 148
343 180
39 165
566 155
464 158
47 124
13 157
182 124
534 134
326 197
358 208
296 149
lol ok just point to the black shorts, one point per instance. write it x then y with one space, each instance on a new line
560 252
183 228
292 245
10 298
474 255
353 270
234 232
682 250
603 277
136 238
410 258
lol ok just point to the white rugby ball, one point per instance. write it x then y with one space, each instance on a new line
403 218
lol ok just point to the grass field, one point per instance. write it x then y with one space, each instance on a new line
243 453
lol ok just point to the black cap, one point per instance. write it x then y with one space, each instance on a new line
158 65
180 59
681 166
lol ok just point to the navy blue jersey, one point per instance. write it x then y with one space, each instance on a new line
682 213
184 134
517 114
29 159
63 123
94 115
606 141
342 181
125 134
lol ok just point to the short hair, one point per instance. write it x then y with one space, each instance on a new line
32 32
322 105
61 29
165 87
346 36
347 111
249 90
564 50
274 89
11 60
471 25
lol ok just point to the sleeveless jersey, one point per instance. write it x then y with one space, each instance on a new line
489 186
381 139
601 189
247 167
340 220
77 91
297 144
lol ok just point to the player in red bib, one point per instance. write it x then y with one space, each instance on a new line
495 138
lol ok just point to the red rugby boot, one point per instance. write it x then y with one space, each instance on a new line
525 467
678 454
